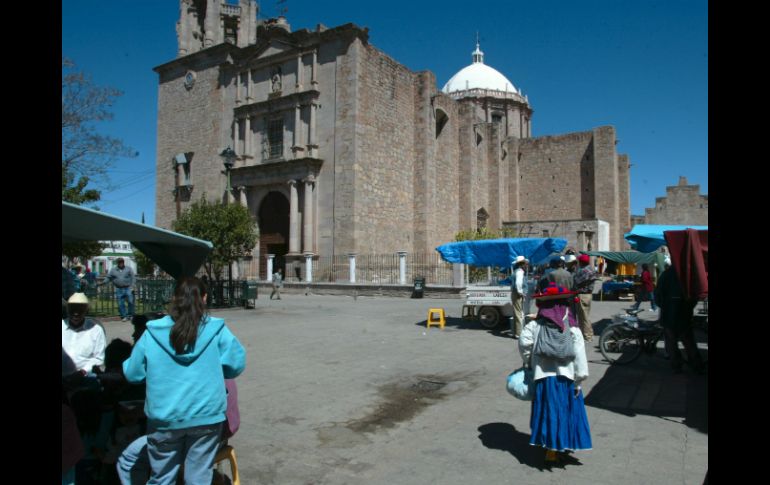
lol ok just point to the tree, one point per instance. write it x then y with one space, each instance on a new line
228 226
82 251
85 154
144 265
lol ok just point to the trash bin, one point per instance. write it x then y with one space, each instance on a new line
419 287
249 292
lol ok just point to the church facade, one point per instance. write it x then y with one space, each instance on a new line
341 149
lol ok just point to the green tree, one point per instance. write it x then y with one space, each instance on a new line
85 154
144 265
82 251
228 226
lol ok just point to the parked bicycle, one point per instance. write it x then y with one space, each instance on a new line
623 341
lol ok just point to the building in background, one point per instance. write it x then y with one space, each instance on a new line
341 149
683 204
113 250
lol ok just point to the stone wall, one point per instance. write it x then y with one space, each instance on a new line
385 153
551 186
682 205
582 234
190 121
447 184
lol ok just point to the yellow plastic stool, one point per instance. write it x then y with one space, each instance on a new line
228 453
440 322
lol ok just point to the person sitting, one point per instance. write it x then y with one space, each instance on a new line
134 462
83 339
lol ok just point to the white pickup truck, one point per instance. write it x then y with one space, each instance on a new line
491 303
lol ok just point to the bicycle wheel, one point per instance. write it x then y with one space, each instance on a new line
619 344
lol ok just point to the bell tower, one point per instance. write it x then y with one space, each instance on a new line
206 23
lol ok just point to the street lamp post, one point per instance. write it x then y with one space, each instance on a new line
228 156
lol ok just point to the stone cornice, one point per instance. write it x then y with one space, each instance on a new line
281 171
288 101
219 52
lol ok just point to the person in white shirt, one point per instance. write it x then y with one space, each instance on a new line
82 339
518 291
558 421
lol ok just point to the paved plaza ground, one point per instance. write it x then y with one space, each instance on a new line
340 390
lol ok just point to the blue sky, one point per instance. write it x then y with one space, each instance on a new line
640 66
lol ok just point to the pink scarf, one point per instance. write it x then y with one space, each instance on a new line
554 311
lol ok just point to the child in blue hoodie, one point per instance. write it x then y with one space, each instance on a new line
185 358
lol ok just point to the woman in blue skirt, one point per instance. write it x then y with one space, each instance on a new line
558 422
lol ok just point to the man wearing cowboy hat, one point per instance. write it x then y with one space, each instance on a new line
82 339
518 291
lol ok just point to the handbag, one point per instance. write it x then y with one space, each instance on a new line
554 343
520 384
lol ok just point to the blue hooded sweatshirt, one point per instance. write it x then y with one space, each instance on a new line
185 390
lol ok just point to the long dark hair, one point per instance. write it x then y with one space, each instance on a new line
187 310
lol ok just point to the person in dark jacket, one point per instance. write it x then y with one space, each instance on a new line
676 311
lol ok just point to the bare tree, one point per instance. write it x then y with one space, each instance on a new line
86 155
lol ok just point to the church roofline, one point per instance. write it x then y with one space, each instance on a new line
298 39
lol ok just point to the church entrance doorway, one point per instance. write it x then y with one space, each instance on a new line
273 220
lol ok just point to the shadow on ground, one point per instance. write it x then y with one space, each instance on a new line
648 386
457 323
504 437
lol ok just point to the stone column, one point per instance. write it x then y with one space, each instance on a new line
297 130
209 25
352 264
308 267
402 267
314 71
249 94
298 86
311 131
308 222
293 218
246 137
270 258
237 141
183 30
238 88
458 279
242 194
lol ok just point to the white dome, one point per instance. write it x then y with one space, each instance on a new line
478 76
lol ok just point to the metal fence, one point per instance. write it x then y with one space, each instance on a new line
154 294
375 269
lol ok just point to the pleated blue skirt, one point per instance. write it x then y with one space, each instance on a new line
559 420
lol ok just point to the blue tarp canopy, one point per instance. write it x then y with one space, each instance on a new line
176 254
649 237
501 252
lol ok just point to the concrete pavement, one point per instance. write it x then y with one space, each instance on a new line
340 390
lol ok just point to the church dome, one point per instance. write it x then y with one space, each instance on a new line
479 76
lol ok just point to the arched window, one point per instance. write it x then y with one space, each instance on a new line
481 218
441 120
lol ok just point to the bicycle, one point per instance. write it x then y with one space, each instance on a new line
623 341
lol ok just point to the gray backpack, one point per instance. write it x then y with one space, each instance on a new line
553 343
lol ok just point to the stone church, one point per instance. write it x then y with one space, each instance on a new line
341 149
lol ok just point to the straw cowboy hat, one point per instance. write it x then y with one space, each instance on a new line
520 259
78 298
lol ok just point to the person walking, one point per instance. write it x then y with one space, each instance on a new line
646 290
185 358
277 284
558 417
584 285
124 279
518 292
